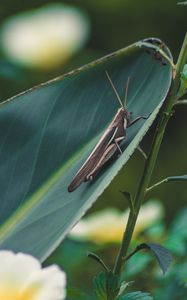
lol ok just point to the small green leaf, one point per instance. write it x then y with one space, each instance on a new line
98 260
166 180
100 286
162 255
123 287
136 296
112 285
106 286
177 178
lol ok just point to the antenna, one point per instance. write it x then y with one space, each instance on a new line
126 92
114 89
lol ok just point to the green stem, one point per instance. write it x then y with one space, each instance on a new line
150 163
181 102
138 248
130 255
166 180
156 184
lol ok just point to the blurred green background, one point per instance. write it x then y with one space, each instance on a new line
111 25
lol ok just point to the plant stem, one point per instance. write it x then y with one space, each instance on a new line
156 184
150 163
138 248
181 102
165 180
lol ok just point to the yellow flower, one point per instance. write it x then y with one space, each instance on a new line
22 278
45 37
108 225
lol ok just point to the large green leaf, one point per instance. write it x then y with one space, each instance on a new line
47 132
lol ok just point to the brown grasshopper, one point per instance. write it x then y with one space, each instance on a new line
108 144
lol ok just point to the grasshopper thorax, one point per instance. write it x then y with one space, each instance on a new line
122 117
125 115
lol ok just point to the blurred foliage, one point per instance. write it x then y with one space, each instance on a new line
142 270
46 37
116 24
107 225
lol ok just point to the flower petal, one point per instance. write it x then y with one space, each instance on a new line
50 283
17 267
22 277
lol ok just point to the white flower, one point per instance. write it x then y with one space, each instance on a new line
45 37
22 278
108 225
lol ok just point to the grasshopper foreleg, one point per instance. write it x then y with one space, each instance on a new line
137 119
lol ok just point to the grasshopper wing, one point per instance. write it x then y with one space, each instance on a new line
93 158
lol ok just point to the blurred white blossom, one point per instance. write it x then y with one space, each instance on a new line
22 278
44 38
108 225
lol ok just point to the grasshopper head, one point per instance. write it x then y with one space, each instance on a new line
125 113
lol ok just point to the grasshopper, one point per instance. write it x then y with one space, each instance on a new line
108 145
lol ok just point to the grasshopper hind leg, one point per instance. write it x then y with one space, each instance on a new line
107 155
